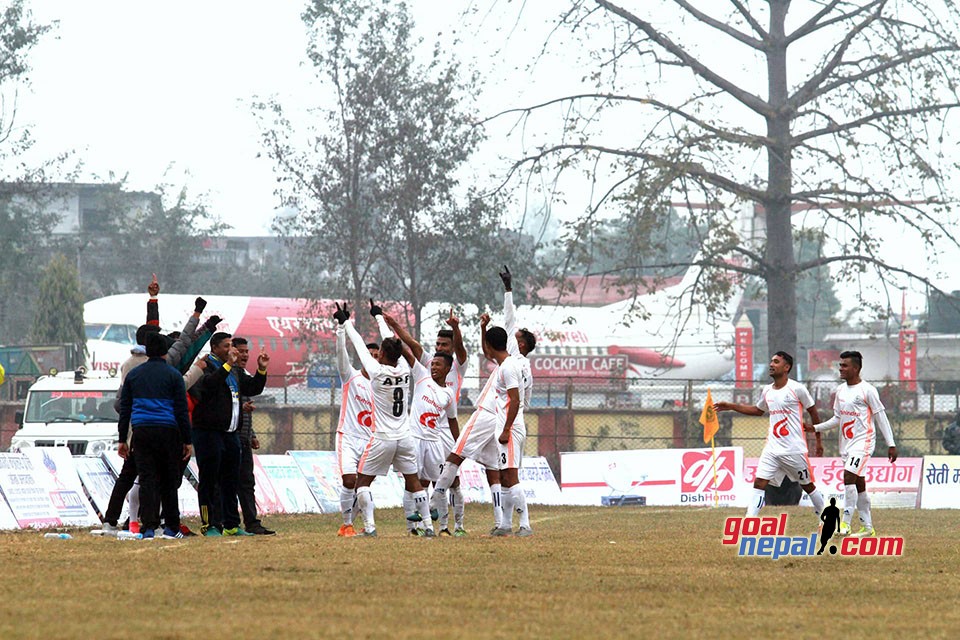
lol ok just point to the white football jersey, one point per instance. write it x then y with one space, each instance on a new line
509 376
391 386
785 407
454 378
855 407
356 408
431 406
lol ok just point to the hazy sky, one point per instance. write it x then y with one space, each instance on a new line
162 91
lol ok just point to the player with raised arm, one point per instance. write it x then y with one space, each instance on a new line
858 411
433 412
391 441
356 419
497 408
450 341
785 452
520 342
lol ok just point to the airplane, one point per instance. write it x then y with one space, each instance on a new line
676 339
275 325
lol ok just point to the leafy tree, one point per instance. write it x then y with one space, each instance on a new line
376 189
58 315
161 232
25 224
841 103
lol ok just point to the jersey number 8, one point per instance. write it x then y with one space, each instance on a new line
398 402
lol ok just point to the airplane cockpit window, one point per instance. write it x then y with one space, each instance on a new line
94 331
120 333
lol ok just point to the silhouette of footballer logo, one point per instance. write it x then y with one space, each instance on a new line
831 522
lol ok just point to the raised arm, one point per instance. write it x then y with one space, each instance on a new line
484 321
372 366
509 312
459 351
344 366
415 347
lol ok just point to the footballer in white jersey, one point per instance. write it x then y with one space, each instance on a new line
433 411
391 442
858 412
785 451
449 343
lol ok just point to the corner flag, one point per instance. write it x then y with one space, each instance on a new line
708 418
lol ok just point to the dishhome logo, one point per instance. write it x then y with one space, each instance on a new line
766 538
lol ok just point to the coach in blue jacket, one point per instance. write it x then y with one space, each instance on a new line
153 402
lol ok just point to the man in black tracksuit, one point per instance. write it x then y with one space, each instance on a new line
216 421
154 402
247 489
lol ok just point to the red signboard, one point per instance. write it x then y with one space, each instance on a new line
743 360
908 359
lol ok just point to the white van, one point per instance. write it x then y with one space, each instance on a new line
73 409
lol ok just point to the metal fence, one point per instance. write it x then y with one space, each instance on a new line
571 414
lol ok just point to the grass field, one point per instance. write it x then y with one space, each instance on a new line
588 572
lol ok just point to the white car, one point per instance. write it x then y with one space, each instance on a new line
73 409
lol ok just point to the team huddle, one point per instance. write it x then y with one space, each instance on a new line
857 411
383 424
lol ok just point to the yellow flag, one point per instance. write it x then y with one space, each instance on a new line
708 418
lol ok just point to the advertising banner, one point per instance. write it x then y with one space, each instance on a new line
653 477
266 495
25 492
890 485
290 485
319 468
941 482
7 520
57 473
187 495
97 479
539 483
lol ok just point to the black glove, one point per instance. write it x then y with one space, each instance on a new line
199 305
212 322
342 314
507 278
375 309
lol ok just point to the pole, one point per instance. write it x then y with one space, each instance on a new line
713 451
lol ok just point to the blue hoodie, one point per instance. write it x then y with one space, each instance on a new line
153 395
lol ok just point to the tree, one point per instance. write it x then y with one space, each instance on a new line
143 233
58 317
842 102
376 190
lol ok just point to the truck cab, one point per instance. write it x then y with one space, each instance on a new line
73 409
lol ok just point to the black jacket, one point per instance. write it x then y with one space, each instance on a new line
214 399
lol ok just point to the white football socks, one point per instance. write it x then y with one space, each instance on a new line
757 499
365 502
495 495
133 498
347 498
863 506
423 508
816 497
849 502
506 508
447 477
519 500
409 508
456 496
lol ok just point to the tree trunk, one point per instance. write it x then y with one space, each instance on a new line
781 264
